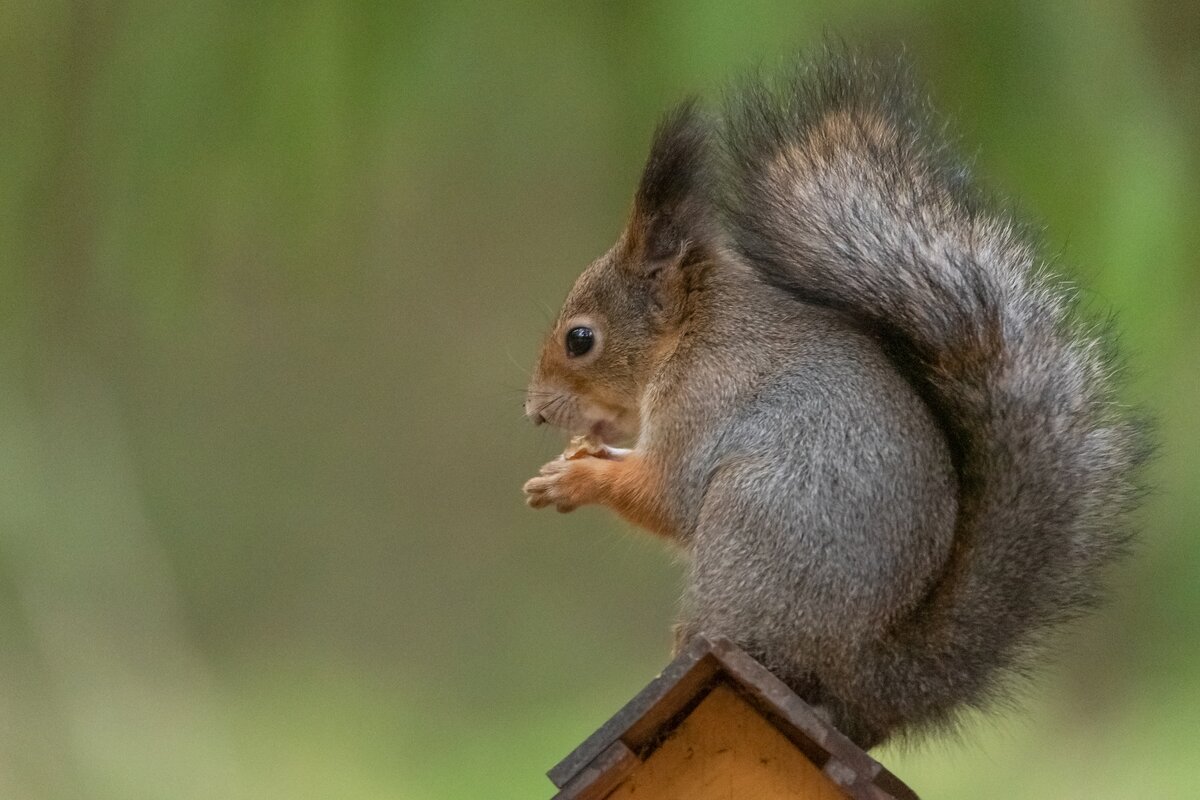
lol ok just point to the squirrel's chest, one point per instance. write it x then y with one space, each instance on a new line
688 442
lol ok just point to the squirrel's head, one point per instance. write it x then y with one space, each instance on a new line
624 313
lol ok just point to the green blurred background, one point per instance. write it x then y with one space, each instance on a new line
271 275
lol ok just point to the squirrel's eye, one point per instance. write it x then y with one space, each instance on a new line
579 341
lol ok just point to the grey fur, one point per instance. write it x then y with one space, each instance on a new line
893 453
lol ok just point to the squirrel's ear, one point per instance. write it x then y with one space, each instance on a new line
670 210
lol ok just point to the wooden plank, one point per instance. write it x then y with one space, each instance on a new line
725 750
602 775
648 721
846 764
638 723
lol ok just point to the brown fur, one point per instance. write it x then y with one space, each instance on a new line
886 446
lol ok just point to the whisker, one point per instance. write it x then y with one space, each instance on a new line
547 312
551 408
523 370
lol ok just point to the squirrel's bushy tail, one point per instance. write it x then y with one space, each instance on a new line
841 190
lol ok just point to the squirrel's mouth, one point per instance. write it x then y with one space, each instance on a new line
617 431
603 432
604 423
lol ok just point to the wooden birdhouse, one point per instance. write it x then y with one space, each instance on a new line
717 725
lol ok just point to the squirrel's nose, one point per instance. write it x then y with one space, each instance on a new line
533 412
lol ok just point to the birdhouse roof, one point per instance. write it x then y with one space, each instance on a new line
619 746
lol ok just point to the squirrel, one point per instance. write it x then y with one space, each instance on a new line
871 420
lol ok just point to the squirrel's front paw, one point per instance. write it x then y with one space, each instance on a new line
565 484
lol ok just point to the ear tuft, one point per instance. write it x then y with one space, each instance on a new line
670 205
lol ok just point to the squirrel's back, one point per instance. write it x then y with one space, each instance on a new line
841 191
